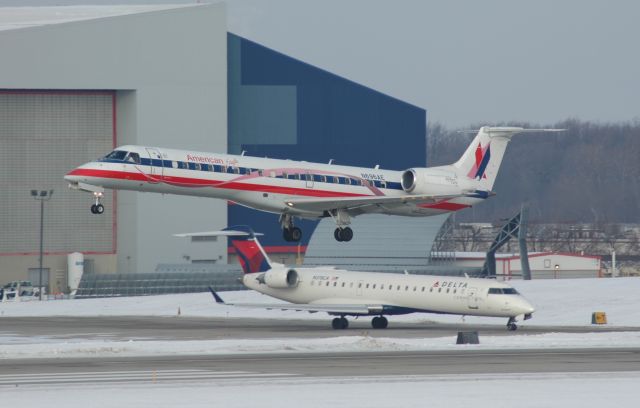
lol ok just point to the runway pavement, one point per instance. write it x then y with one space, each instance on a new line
218 368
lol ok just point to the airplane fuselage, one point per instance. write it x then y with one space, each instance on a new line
261 183
399 293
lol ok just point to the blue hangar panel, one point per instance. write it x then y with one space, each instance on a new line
283 108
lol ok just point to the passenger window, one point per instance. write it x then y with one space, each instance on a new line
439 290
430 289
423 288
343 283
374 286
359 285
447 290
398 287
414 288
327 283
236 170
455 290
260 172
367 286
406 288
335 284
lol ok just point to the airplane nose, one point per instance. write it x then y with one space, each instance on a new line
71 178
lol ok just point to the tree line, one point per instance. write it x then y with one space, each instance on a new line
588 174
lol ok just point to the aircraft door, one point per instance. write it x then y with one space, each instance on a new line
309 179
156 170
473 298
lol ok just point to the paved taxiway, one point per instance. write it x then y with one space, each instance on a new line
222 367
194 328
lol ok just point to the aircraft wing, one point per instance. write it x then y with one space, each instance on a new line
348 309
349 203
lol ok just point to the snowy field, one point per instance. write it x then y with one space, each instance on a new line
558 303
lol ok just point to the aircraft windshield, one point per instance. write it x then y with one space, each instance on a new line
116 155
503 291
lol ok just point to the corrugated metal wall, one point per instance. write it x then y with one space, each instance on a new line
43 135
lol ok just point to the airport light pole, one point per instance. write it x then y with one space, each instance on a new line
42 196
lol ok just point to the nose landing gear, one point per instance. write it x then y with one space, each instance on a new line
97 208
511 324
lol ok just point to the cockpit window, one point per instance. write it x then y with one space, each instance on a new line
502 291
133 158
116 155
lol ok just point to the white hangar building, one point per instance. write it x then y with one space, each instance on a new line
74 83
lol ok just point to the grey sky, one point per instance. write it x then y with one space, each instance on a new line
464 61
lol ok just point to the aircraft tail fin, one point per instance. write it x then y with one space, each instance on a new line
481 161
251 255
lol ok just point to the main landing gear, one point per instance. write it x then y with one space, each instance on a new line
97 208
378 322
290 233
339 323
511 324
343 234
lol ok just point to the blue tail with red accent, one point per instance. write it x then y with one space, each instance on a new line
251 255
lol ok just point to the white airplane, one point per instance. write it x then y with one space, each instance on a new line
302 189
348 293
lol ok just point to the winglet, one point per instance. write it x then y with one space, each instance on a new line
216 296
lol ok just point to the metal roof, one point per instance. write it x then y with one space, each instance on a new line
12 18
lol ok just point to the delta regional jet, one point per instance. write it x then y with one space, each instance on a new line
346 293
302 189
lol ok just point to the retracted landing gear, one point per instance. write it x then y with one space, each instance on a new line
97 208
511 324
290 233
339 323
379 322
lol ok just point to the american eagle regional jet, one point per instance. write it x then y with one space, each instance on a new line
347 293
302 189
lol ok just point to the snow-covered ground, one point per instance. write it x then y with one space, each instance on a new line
558 303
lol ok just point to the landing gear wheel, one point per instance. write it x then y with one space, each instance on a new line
93 209
339 323
99 209
379 322
343 234
292 234
347 234
296 234
511 324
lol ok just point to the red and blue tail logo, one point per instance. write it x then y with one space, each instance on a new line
250 254
483 155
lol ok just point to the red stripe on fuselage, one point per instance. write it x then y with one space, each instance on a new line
194 182
447 206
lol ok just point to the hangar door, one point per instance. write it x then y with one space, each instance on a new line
43 135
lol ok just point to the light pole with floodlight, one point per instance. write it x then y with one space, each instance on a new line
42 196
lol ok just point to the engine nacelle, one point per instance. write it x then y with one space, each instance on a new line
435 181
281 278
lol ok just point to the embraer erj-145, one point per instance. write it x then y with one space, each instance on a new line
346 293
302 189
